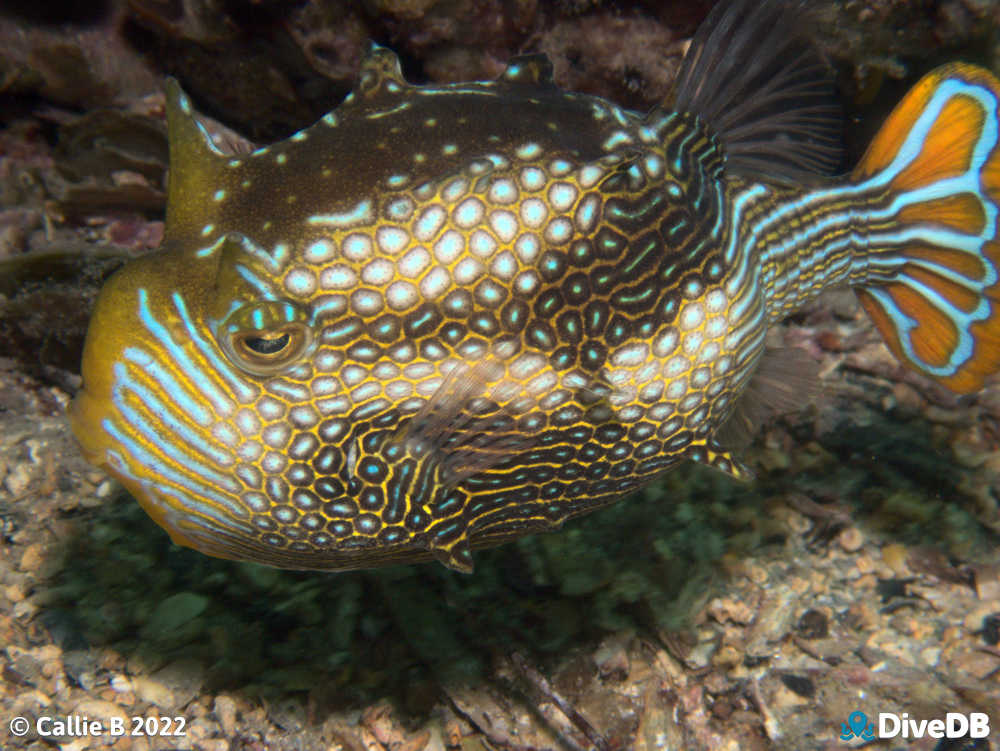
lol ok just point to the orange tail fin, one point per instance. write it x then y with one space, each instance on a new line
933 281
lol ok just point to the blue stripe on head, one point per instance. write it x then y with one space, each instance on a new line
245 392
125 383
178 393
156 467
223 404
156 491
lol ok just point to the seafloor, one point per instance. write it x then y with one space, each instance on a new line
860 571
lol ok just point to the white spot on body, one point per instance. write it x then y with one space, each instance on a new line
366 302
274 463
562 196
303 416
449 247
526 282
247 422
661 411
327 360
542 383
715 301
378 273
401 295
300 281
276 435
504 266
532 179
319 251
554 400
528 151
666 343
653 165
526 366
324 386
435 284
715 327
391 240
418 371
677 388
590 175
366 391
338 276
357 247
429 223
469 213
414 262
559 231
527 247
403 352
250 451
398 389
690 402
352 375
676 365
468 270
400 209
482 243
503 191
429 387
692 316
560 167
224 432
472 349
326 306
709 353
534 212
504 224
630 356
652 391
692 343
586 212
455 189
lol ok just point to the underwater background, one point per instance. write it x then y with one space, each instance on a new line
860 571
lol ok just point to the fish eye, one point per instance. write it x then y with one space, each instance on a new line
268 345
266 338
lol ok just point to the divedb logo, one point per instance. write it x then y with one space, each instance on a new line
892 725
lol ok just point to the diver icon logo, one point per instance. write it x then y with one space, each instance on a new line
857 726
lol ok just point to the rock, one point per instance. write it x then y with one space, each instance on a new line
101 710
851 539
184 678
153 691
225 710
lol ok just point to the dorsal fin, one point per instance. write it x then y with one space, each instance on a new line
196 167
762 86
529 69
380 73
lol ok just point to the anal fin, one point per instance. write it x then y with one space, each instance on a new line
786 381
457 555
722 459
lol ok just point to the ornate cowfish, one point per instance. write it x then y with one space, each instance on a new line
446 316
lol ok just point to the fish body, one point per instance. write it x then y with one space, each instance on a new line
447 316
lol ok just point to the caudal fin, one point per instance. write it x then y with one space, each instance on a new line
933 263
